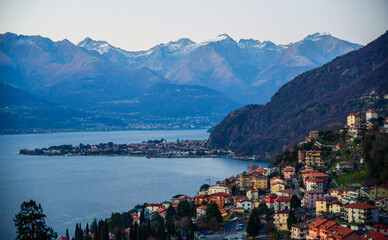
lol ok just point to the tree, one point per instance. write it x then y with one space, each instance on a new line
204 187
183 209
30 223
67 233
254 222
295 201
291 219
212 211
114 222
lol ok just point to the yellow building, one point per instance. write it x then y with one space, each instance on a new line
280 220
313 158
379 191
260 183
327 205
218 189
353 118
277 184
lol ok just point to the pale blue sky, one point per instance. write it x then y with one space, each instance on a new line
137 25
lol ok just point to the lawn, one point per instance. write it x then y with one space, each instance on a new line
356 176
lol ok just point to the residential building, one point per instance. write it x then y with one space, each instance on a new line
201 211
360 213
314 225
315 175
199 199
280 220
287 192
244 203
324 206
315 184
381 228
357 129
282 203
310 197
288 172
371 115
379 191
218 189
344 166
277 184
301 156
260 182
339 232
340 192
153 207
259 172
299 231
270 199
353 118
256 202
252 194
313 158
219 198
244 181
373 235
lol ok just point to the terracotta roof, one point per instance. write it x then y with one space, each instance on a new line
285 211
360 206
373 235
371 111
327 225
220 194
344 162
242 200
339 232
283 199
317 180
289 191
317 222
162 209
202 207
316 174
380 226
355 114
153 204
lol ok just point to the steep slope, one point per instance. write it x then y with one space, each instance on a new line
311 101
22 111
248 71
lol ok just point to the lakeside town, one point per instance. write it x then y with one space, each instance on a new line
318 189
151 149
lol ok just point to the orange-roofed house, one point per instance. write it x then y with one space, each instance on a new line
314 228
277 184
198 199
353 118
288 172
153 207
381 228
135 218
341 233
373 235
259 172
360 213
314 184
319 175
201 211
325 228
219 198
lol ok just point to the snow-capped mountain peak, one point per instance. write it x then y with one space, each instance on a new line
100 46
317 36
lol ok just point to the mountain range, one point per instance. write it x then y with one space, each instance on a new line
179 84
315 100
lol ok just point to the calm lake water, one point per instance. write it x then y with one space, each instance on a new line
80 188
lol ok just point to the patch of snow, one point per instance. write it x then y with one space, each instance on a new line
219 38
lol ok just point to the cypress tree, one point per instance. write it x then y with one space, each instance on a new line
67 233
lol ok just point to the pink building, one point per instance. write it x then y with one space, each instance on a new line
310 197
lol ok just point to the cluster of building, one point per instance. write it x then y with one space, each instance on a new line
155 148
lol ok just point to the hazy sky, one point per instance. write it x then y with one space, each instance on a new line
137 25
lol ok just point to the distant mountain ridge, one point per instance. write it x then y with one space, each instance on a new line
354 82
248 71
179 84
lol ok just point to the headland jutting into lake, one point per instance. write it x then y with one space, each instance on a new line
151 148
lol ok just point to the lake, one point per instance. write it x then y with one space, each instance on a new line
79 188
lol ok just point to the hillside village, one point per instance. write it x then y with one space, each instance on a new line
304 195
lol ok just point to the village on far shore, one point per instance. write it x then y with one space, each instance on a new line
309 198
